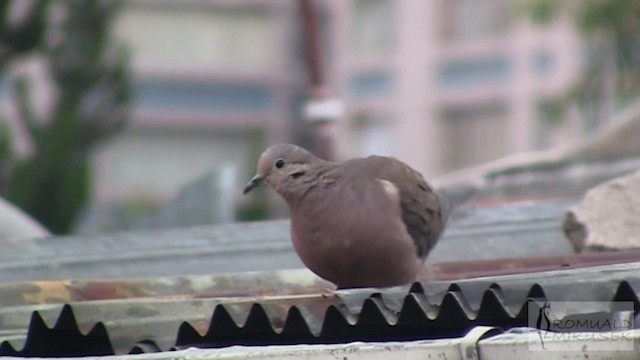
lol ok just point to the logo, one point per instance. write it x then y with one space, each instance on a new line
576 326
543 322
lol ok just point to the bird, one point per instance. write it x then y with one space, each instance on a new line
364 222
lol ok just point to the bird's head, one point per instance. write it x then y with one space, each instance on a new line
279 166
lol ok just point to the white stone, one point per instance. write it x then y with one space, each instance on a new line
15 225
608 217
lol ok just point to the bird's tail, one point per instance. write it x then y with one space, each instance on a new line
453 197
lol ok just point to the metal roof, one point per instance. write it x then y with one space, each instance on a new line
514 230
68 318
175 289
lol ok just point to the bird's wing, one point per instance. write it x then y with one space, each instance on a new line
421 208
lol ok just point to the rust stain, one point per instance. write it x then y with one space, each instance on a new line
104 291
511 266
49 292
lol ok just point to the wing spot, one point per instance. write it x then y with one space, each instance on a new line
390 189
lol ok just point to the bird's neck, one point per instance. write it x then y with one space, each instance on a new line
296 188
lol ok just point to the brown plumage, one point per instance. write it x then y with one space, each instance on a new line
368 222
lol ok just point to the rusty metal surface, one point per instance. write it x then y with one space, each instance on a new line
515 230
67 318
473 269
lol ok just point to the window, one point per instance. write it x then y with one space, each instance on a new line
159 161
472 19
473 135
203 96
371 85
211 38
471 72
542 63
373 26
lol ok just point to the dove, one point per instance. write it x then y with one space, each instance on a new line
364 222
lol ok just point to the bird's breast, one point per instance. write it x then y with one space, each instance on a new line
354 235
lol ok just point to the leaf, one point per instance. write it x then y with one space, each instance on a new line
22 95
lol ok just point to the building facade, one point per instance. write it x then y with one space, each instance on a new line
440 84
445 84
210 77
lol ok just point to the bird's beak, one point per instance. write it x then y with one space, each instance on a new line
253 183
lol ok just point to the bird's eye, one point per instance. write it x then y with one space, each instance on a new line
279 163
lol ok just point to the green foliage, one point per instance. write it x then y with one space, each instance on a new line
541 11
6 154
17 38
611 29
257 206
551 112
24 36
90 77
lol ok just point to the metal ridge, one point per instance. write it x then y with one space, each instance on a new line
514 230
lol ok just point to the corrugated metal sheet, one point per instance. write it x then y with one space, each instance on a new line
516 230
514 345
177 307
68 318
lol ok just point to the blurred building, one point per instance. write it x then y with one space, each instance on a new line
444 84
441 84
210 77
